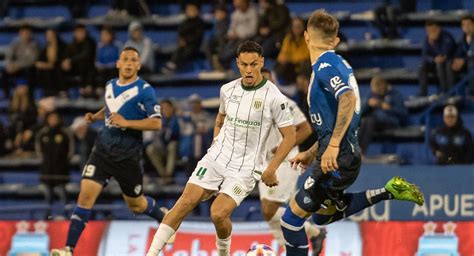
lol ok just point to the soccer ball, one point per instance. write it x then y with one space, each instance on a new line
260 250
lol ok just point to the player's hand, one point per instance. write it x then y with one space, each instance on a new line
269 178
302 159
329 159
117 120
90 118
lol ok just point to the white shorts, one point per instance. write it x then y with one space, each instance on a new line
287 178
213 176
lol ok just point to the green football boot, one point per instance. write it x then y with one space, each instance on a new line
404 190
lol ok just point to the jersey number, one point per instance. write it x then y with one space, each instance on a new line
88 171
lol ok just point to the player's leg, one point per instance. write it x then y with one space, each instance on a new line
145 205
396 188
221 209
191 197
89 191
272 212
202 184
292 225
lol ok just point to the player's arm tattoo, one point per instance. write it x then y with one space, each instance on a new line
219 123
345 111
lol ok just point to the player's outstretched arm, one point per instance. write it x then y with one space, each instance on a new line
219 123
147 124
289 138
345 111
90 117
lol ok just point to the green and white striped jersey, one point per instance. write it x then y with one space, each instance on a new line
251 112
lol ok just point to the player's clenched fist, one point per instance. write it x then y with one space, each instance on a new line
117 120
90 118
269 178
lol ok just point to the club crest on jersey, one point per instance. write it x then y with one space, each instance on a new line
238 190
308 183
257 104
138 189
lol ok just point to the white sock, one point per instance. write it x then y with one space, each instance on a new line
310 229
223 246
162 235
275 228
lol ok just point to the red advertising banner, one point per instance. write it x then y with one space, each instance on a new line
396 238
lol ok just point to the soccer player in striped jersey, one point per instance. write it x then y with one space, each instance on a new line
335 159
249 107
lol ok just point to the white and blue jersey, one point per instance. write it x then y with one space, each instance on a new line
134 101
331 77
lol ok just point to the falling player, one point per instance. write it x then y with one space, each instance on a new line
272 199
334 106
249 107
130 108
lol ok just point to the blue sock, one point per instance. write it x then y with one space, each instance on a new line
355 202
294 233
153 210
79 219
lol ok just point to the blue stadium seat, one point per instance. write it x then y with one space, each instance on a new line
39 12
97 10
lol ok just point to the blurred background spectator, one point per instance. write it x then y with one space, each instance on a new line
452 143
20 58
218 38
138 40
273 24
108 50
243 26
190 34
438 51
464 57
79 62
387 16
293 53
48 66
84 136
382 109
163 151
55 147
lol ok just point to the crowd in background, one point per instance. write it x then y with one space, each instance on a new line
37 130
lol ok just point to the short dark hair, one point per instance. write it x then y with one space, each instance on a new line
431 23
130 48
167 101
25 26
79 26
468 17
326 23
249 47
265 70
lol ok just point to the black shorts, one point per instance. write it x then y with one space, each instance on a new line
325 189
127 172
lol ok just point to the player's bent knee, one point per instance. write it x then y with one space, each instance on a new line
219 216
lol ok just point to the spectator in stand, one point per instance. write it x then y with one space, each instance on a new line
452 143
438 51
84 137
243 26
22 112
20 58
293 54
202 129
108 50
218 38
274 22
387 15
190 34
464 56
55 147
144 45
383 108
79 62
123 9
163 151
48 67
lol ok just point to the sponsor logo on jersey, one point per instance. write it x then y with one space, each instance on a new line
323 65
243 123
336 82
257 104
316 119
